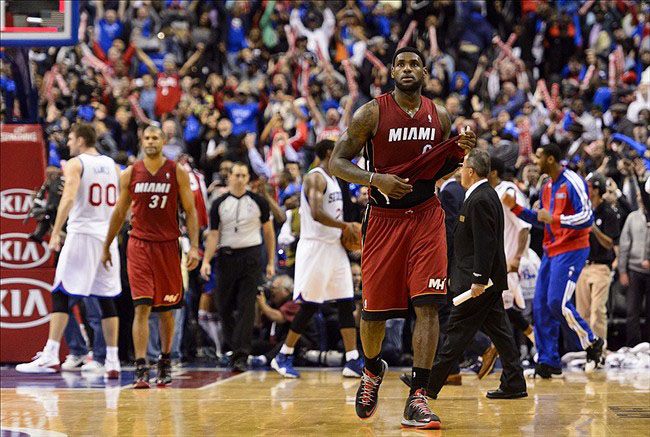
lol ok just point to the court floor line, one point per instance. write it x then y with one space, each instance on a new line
216 383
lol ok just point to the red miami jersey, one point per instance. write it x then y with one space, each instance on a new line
155 202
401 138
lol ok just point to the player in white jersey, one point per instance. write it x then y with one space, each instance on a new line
89 196
322 267
515 236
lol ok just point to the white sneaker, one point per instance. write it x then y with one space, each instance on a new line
112 369
42 363
73 362
92 366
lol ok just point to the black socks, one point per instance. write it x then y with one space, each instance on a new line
420 379
373 364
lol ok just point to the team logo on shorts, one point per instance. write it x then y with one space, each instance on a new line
170 297
437 283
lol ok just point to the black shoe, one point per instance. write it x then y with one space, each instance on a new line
408 380
417 413
164 375
141 377
239 365
545 371
367 394
500 394
594 355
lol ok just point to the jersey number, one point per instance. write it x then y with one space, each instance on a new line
96 195
154 201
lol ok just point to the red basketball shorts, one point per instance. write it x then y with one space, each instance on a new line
155 273
404 257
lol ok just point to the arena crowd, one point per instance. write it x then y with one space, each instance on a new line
261 82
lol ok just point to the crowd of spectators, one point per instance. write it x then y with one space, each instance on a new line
261 81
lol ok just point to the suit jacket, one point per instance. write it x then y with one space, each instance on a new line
478 242
451 199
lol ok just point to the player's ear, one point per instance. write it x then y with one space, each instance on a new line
392 72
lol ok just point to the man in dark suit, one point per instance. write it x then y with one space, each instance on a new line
480 258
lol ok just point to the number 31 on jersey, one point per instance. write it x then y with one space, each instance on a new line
155 199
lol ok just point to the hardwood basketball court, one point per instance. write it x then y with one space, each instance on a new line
205 401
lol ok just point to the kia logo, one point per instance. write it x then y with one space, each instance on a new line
22 301
17 251
15 203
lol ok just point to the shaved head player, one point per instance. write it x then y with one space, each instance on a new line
152 188
404 249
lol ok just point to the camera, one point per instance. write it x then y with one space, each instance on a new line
265 289
45 204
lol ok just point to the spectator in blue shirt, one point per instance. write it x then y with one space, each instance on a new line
242 112
110 27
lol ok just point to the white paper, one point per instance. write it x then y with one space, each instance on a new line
466 295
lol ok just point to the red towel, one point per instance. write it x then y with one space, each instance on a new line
427 165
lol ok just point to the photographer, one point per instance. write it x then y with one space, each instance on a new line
46 202
276 310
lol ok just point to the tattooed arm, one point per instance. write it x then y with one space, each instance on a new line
467 138
362 127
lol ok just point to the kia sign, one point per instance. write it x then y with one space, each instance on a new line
25 266
17 251
22 303
15 203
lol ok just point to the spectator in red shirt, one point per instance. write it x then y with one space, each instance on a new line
168 82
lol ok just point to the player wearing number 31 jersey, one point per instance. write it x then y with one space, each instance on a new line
152 188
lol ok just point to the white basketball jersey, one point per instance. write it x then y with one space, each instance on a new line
332 205
512 224
96 197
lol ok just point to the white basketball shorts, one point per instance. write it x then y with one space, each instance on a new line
80 271
322 272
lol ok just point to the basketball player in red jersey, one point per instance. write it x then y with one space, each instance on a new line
151 188
404 250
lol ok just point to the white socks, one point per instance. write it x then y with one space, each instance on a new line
286 350
352 355
111 353
52 348
203 321
209 322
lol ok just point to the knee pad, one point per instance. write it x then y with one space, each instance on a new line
108 307
60 302
307 311
346 313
